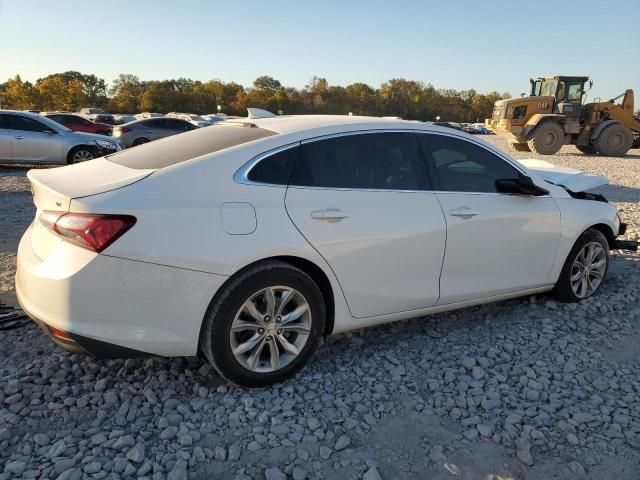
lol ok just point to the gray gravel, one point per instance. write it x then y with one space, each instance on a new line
528 388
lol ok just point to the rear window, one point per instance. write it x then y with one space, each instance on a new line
180 148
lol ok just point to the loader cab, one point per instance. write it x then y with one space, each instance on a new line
568 93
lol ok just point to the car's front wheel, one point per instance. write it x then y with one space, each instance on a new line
81 154
585 267
264 325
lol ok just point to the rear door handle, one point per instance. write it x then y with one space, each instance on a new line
463 212
329 214
18 137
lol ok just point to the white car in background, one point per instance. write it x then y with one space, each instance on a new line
247 242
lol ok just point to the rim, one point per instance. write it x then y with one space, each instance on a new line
588 270
616 140
270 329
549 138
82 155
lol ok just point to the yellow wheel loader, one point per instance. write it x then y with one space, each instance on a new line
554 115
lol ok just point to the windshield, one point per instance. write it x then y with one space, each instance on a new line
549 88
183 147
197 118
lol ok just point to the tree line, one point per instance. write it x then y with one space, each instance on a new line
408 99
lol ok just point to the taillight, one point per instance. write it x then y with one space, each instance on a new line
123 129
88 230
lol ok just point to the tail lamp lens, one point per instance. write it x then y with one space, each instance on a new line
87 230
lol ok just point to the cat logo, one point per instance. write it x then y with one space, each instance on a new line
543 105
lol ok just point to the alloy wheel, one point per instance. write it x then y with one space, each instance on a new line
82 156
270 329
588 270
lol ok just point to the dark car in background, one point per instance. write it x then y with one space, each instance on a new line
76 123
148 129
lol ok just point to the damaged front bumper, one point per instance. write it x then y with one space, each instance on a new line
631 245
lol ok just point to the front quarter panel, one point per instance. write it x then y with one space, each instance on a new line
578 216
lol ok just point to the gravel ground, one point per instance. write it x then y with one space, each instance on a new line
524 389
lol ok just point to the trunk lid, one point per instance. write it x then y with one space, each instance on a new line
574 180
54 188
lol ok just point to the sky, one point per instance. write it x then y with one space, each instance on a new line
461 44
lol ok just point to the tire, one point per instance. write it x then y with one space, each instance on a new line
519 147
564 290
139 141
614 141
80 154
227 310
547 138
587 149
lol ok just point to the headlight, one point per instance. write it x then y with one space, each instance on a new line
106 145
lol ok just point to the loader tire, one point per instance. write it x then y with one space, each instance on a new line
614 141
519 147
546 139
587 149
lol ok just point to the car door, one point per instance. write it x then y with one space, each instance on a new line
496 243
34 141
362 200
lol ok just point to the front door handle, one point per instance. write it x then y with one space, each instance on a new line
18 137
329 214
463 212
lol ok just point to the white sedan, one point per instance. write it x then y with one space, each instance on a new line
248 242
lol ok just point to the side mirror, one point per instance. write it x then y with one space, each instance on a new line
523 185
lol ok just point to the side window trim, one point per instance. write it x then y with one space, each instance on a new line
242 174
434 173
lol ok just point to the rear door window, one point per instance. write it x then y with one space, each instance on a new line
377 161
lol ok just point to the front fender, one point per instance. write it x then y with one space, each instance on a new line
577 217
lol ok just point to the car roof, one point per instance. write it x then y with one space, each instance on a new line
296 123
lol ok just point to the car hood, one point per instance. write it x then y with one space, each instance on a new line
574 180
84 136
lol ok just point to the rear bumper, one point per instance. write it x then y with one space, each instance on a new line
85 345
112 307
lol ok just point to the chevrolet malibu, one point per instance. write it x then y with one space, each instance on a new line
248 242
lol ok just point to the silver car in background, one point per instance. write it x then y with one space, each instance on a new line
30 138
143 131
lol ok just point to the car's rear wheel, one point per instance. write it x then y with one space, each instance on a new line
81 154
264 325
585 267
140 141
